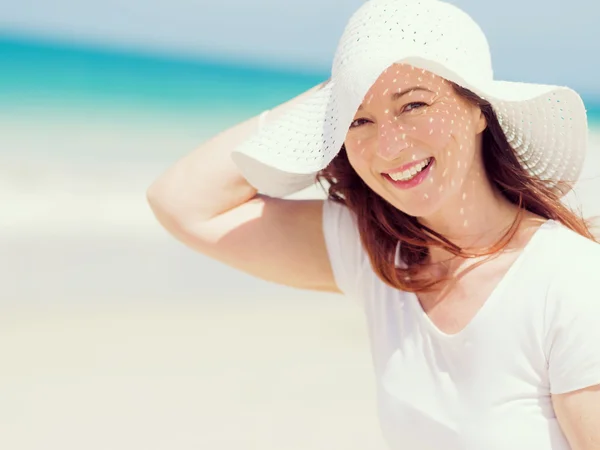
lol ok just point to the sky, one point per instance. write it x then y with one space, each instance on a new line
545 41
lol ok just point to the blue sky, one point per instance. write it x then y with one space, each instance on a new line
549 41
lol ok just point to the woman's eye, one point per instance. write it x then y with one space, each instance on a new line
357 123
414 105
407 108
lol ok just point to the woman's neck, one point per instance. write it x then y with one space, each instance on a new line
475 217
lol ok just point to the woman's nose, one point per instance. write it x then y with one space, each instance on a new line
392 141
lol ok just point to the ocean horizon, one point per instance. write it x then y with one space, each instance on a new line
37 71
46 86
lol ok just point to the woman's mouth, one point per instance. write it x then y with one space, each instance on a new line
411 177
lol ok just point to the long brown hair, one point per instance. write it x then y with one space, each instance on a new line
382 226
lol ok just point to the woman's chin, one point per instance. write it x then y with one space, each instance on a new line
422 208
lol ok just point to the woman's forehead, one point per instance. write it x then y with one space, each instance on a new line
403 78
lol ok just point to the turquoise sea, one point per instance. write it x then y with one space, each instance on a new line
40 74
52 91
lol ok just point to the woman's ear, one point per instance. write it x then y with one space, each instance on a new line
481 121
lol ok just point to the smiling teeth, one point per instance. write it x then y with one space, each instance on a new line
407 175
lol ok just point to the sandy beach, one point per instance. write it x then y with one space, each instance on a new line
115 336
260 376
114 343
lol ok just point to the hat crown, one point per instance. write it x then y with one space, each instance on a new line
382 32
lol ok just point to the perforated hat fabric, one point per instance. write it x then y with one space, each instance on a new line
546 125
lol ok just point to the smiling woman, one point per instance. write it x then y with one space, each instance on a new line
434 151
444 221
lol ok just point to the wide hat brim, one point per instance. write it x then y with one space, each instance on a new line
546 126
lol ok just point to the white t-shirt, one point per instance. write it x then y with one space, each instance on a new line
487 387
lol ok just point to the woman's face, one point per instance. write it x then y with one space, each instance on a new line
415 141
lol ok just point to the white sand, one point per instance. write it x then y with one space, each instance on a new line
256 376
114 336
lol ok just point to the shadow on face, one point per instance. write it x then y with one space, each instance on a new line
416 142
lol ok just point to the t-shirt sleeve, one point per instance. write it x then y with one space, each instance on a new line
573 325
347 256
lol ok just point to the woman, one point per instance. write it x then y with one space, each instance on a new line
444 220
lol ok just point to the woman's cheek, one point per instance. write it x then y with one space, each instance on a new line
449 134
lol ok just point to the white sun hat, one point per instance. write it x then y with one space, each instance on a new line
545 125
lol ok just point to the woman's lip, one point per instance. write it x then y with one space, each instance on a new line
413 182
405 166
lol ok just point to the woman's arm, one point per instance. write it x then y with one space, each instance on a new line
573 342
203 201
578 413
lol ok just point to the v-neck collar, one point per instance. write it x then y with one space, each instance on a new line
496 293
